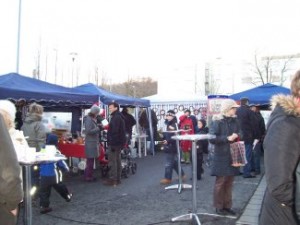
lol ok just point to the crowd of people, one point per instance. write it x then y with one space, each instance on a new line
279 143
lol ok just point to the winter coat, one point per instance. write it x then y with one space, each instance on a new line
92 131
35 130
11 192
116 135
129 122
202 145
223 127
249 124
282 153
170 147
186 123
53 169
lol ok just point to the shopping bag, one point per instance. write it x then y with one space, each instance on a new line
238 154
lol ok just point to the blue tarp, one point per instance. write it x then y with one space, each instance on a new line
107 97
261 94
15 87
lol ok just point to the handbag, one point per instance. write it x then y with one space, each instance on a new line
238 154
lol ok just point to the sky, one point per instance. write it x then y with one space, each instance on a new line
141 38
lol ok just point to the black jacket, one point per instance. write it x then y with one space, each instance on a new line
171 126
116 135
282 153
249 124
223 127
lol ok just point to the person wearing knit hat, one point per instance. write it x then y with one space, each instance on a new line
226 129
170 149
95 110
91 145
227 105
8 111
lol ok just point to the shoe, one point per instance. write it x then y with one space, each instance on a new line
199 177
250 176
69 197
110 182
45 210
229 211
118 181
221 212
165 181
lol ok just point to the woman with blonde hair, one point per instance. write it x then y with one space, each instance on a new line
227 130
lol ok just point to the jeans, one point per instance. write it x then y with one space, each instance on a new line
250 160
257 153
170 164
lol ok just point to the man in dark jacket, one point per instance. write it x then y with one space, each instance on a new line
116 139
11 192
248 123
257 149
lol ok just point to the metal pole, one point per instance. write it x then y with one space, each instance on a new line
19 37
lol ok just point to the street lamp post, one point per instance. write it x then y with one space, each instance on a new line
19 37
73 57
55 66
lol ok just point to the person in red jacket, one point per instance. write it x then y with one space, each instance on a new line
186 124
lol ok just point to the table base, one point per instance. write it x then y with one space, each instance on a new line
179 187
187 217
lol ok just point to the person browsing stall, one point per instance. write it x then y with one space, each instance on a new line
116 139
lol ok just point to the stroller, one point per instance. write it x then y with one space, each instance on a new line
127 161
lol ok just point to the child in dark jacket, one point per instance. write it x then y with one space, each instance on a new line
202 147
51 176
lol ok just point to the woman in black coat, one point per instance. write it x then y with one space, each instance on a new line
227 130
282 154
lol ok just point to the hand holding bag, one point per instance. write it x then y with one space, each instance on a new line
238 154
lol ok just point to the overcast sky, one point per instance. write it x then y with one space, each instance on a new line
137 38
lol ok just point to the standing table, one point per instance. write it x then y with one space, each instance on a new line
194 138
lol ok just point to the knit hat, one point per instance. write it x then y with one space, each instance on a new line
9 107
171 113
95 110
227 104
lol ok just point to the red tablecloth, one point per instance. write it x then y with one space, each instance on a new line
72 150
77 150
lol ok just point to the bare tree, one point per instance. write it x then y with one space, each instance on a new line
138 88
271 69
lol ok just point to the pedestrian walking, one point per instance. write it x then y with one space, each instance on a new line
170 149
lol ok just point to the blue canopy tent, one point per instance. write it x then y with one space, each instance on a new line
107 97
53 97
261 94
